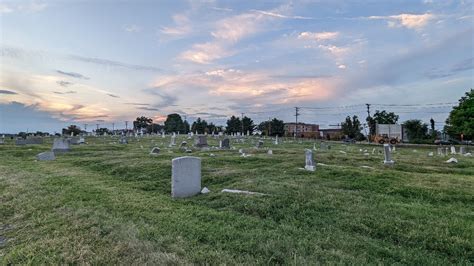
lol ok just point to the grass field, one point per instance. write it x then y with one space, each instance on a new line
106 203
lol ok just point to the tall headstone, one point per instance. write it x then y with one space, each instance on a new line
185 176
224 144
453 150
440 151
60 145
387 153
173 140
200 141
309 162
462 150
276 140
163 135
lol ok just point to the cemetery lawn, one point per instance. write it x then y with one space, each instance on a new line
106 203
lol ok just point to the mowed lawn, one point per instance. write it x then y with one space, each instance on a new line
106 203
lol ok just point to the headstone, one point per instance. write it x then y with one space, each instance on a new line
163 135
430 154
46 156
440 151
155 151
270 152
34 140
309 160
185 177
462 150
259 144
388 157
173 140
200 141
183 144
2 141
123 140
453 150
276 140
452 160
224 144
61 145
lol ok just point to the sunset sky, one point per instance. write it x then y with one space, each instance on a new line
104 62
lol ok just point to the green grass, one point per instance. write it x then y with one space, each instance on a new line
106 203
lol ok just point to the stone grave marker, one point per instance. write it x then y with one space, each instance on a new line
440 151
309 163
46 156
173 140
224 144
185 176
61 145
276 140
260 143
183 144
462 150
453 150
387 154
123 140
201 141
155 151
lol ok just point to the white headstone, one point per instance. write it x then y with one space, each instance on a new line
270 152
440 151
155 151
462 150
276 140
387 154
453 150
185 177
309 160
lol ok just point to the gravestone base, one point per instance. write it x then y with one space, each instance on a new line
311 168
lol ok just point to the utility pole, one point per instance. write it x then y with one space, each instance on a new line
113 128
242 123
126 127
368 124
296 120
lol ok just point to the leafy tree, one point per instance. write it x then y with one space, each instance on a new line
72 129
211 128
102 131
234 125
371 124
22 135
272 128
248 125
416 130
142 122
352 128
200 126
154 128
461 118
384 117
186 127
174 123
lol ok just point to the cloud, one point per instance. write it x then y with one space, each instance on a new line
205 53
66 92
410 21
7 92
278 15
132 28
113 95
341 66
64 83
435 73
31 7
147 108
222 9
336 51
182 26
111 63
318 36
72 74
166 99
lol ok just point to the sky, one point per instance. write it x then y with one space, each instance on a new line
106 62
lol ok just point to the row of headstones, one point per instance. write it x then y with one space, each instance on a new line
441 151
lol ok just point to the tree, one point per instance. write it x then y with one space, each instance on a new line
461 118
352 128
272 128
211 128
102 131
174 123
234 125
142 122
72 129
199 126
416 130
371 124
154 128
248 125
186 127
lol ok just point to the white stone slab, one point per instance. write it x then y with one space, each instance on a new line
185 177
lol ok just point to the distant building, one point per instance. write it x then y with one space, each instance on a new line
303 130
